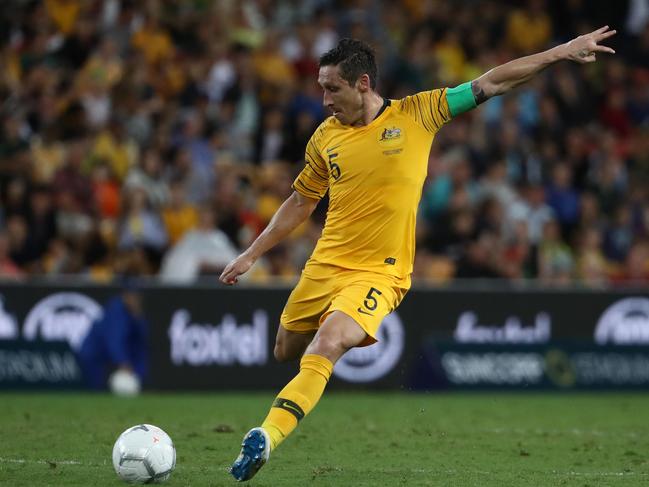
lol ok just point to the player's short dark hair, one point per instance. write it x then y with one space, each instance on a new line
355 58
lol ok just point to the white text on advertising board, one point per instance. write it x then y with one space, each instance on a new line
62 317
36 366
470 330
227 343
625 322
495 368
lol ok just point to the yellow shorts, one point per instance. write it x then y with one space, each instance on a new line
365 296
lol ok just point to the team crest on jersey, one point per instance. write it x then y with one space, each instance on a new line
391 136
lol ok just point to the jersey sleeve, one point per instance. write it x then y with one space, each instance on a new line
313 180
428 108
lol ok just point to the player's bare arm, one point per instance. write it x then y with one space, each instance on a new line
499 80
294 211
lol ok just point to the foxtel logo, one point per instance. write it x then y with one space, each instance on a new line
227 343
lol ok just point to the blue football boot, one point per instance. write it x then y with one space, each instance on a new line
255 451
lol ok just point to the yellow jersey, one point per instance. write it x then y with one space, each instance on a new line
375 176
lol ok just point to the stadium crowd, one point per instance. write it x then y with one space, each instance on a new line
159 137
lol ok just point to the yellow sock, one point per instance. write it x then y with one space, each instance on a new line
298 398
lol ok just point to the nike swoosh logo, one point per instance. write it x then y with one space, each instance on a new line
361 310
330 150
288 406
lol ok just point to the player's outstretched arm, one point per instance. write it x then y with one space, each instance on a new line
290 215
499 80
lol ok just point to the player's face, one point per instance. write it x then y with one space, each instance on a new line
344 100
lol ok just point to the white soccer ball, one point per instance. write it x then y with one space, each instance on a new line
144 454
124 383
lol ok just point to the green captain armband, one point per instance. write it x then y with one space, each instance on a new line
460 99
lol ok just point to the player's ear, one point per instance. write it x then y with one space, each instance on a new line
363 83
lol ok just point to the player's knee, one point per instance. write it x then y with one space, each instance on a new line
327 346
280 353
284 353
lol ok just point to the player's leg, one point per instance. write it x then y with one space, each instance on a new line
300 318
290 345
353 320
358 305
299 322
338 333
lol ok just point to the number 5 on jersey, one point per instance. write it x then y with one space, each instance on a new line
370 301
335 168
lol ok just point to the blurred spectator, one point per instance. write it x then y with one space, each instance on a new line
140 225
153 40
48 155
494 184
8 268
517 253
432 268
14 144
113 145
591 266
73 188
452 233
639 49
529 28
635 269
271 66
104 68
458 176
619 236
533 210
64 13
116 341
41 222
271 138
562 198
16 199
17 235
149 179
276 265
205 250
589 212
556 264
275 180
106 191
481 259
178 215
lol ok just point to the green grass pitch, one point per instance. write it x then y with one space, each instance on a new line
349 440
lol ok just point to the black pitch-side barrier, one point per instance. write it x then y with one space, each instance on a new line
217 338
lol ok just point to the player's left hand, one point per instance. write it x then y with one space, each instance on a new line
583 49
238 266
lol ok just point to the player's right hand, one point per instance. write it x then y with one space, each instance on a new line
583 49
238 266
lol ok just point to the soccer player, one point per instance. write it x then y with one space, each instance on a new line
372 157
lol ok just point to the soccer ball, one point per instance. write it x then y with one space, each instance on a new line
144 454
124 383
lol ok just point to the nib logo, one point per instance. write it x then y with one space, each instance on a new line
625 322
64 316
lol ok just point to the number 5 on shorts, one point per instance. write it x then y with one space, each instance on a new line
370 301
